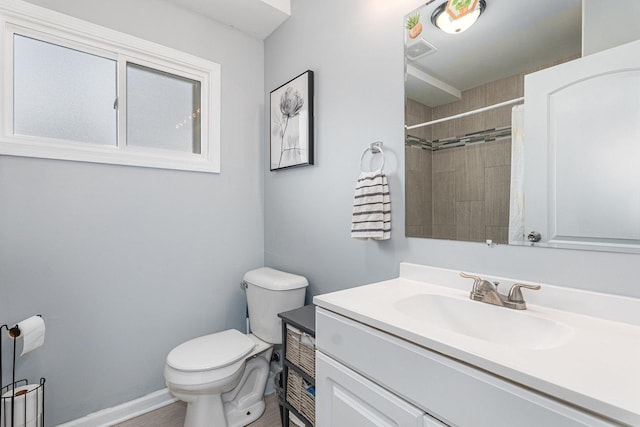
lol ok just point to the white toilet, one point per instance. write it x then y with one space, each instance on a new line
222 376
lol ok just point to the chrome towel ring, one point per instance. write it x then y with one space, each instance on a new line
375 148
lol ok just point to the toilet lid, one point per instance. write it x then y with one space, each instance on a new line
275 280
210 351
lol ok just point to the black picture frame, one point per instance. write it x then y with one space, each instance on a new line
291 123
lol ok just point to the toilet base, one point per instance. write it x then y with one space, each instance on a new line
205 410
245 403
237 417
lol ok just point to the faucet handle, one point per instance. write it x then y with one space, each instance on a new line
469 276
480 285
515 294
476 279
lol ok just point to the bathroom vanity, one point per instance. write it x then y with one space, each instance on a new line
416 351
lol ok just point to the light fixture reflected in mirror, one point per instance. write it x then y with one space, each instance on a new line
451 23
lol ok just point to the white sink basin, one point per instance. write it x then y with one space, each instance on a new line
486 322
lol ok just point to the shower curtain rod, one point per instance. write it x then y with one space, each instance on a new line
468 113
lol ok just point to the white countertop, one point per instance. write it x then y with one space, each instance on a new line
597 368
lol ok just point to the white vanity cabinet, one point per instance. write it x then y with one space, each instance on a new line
367 377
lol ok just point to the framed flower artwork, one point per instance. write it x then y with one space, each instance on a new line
291 108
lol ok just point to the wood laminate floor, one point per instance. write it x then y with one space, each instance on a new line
173 416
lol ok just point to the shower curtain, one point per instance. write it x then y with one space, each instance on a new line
516 208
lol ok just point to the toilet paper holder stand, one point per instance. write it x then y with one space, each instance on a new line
14 332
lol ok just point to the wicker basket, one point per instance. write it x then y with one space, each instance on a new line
298 397
301 350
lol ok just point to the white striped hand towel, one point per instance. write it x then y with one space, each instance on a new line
371 207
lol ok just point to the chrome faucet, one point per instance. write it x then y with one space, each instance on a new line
485 291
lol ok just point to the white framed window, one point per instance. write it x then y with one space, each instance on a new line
76 91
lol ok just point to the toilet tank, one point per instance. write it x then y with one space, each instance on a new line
270 292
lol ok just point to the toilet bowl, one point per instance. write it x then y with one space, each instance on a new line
226 388
222 376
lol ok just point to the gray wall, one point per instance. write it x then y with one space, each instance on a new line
605 26
125 263
355 49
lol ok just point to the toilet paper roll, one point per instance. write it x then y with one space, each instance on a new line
32 332
27 405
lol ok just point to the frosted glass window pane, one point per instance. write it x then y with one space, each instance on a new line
63 93
163 110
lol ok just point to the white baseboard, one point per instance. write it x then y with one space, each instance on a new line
125 411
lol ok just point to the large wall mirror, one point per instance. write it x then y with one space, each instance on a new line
465 114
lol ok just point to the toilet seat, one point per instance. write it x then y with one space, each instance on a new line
209 352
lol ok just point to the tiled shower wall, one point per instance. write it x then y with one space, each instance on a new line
419 200
470 191
464 197
461 193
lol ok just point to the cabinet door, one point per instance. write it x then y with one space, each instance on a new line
346 399
582 152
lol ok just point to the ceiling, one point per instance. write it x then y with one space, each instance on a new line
510 37
258 18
